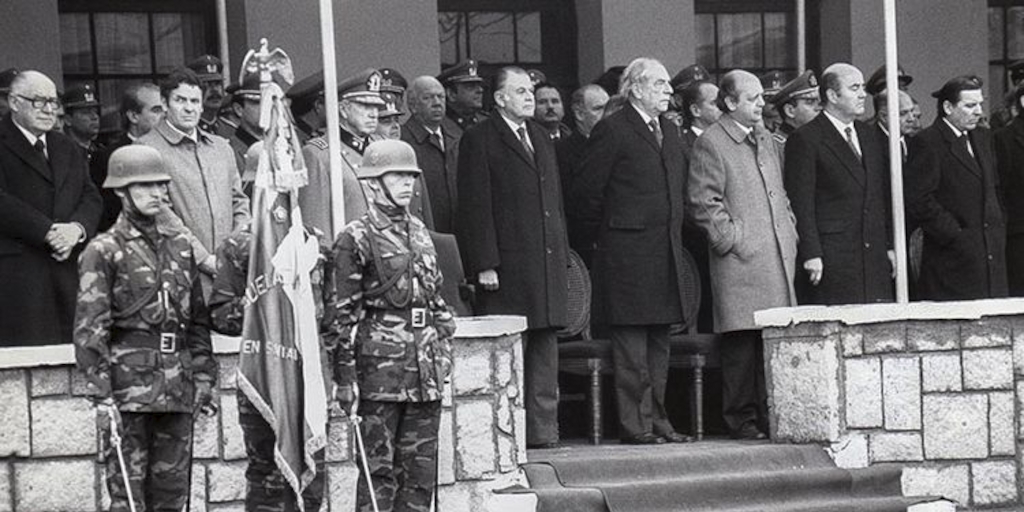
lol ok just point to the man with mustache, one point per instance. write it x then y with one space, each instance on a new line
206 188
82 112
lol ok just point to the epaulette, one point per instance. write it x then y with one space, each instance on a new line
318 142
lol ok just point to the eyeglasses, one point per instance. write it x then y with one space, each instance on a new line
39 103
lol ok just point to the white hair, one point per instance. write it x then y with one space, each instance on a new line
636 73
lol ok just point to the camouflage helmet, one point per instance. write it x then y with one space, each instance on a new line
384 156
135 163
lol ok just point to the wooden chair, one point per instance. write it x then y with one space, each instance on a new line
593 358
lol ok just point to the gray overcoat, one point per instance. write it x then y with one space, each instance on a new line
737 196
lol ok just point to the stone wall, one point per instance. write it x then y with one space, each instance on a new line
936 388
48 439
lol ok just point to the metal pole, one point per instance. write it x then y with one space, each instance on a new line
222 38
899 230
801 36
331 104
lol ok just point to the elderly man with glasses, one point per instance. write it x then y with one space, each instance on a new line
48 208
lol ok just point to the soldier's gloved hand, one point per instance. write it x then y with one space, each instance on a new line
348 398
204 402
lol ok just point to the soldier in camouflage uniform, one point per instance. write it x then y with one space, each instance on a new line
142 337
266 489
388 286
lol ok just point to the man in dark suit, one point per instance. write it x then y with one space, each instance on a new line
952 193
631 185
587 109
838 183
511 232
1010 155
437 149
48 208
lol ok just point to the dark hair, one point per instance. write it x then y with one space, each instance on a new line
829 82
547 85
502 76
951 91
689 96
130 98
727 88
176 78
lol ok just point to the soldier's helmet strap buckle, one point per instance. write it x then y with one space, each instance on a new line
168 342
419 318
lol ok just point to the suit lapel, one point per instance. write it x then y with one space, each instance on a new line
641 128
959 149
16 141
841 148
512 140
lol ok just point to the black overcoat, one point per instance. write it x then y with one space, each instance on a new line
634 189
1010 156
439 171
842 208
954 198
37 302
510 218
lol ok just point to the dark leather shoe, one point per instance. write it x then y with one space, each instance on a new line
645 438
544 446
749 432
676 437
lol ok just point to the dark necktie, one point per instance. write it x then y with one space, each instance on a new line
656 128
41 148
437 140
526 142
853 145
967 144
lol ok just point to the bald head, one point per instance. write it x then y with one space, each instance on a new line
33 87
426 100
741 95
842 91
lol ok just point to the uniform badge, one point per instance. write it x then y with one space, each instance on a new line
373 83
812 81
472 70
280 214
211 68
89 96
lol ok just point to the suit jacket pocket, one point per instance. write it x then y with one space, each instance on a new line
831 227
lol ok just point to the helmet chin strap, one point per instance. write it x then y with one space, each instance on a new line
129 206
387 193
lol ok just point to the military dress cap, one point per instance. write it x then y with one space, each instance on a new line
955 85
135 163
384 156
876 83
307 88
536 76
1016 71
207 68
689 76
464 72
392 105
249 88
772 83
364 88
802 85
82 96
6 77
392 81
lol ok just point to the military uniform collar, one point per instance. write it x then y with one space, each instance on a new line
353 141
132 232
245 136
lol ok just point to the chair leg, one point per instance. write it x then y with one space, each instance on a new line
698 396
595 400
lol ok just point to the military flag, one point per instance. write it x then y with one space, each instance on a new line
280 368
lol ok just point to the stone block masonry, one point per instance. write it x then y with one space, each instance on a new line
935 387
48 437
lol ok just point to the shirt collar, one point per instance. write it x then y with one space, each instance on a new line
746 129
194 136
841 126
647 118
956 132
175 136
697 131
28 135
512 124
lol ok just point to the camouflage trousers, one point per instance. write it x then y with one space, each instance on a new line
401 450
157 452
266 489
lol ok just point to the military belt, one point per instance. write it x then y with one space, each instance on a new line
165 342
418 318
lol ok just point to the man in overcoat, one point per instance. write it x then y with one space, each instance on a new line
48 208
837 178
952 194
631 184
737 196
1010 155
511 232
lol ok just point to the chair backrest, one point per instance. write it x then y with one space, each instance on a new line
450 261
578 303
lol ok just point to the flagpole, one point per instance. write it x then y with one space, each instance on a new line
333 123
801 36
892 92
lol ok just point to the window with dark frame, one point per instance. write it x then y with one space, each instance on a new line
756 35
1005 44
113 44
